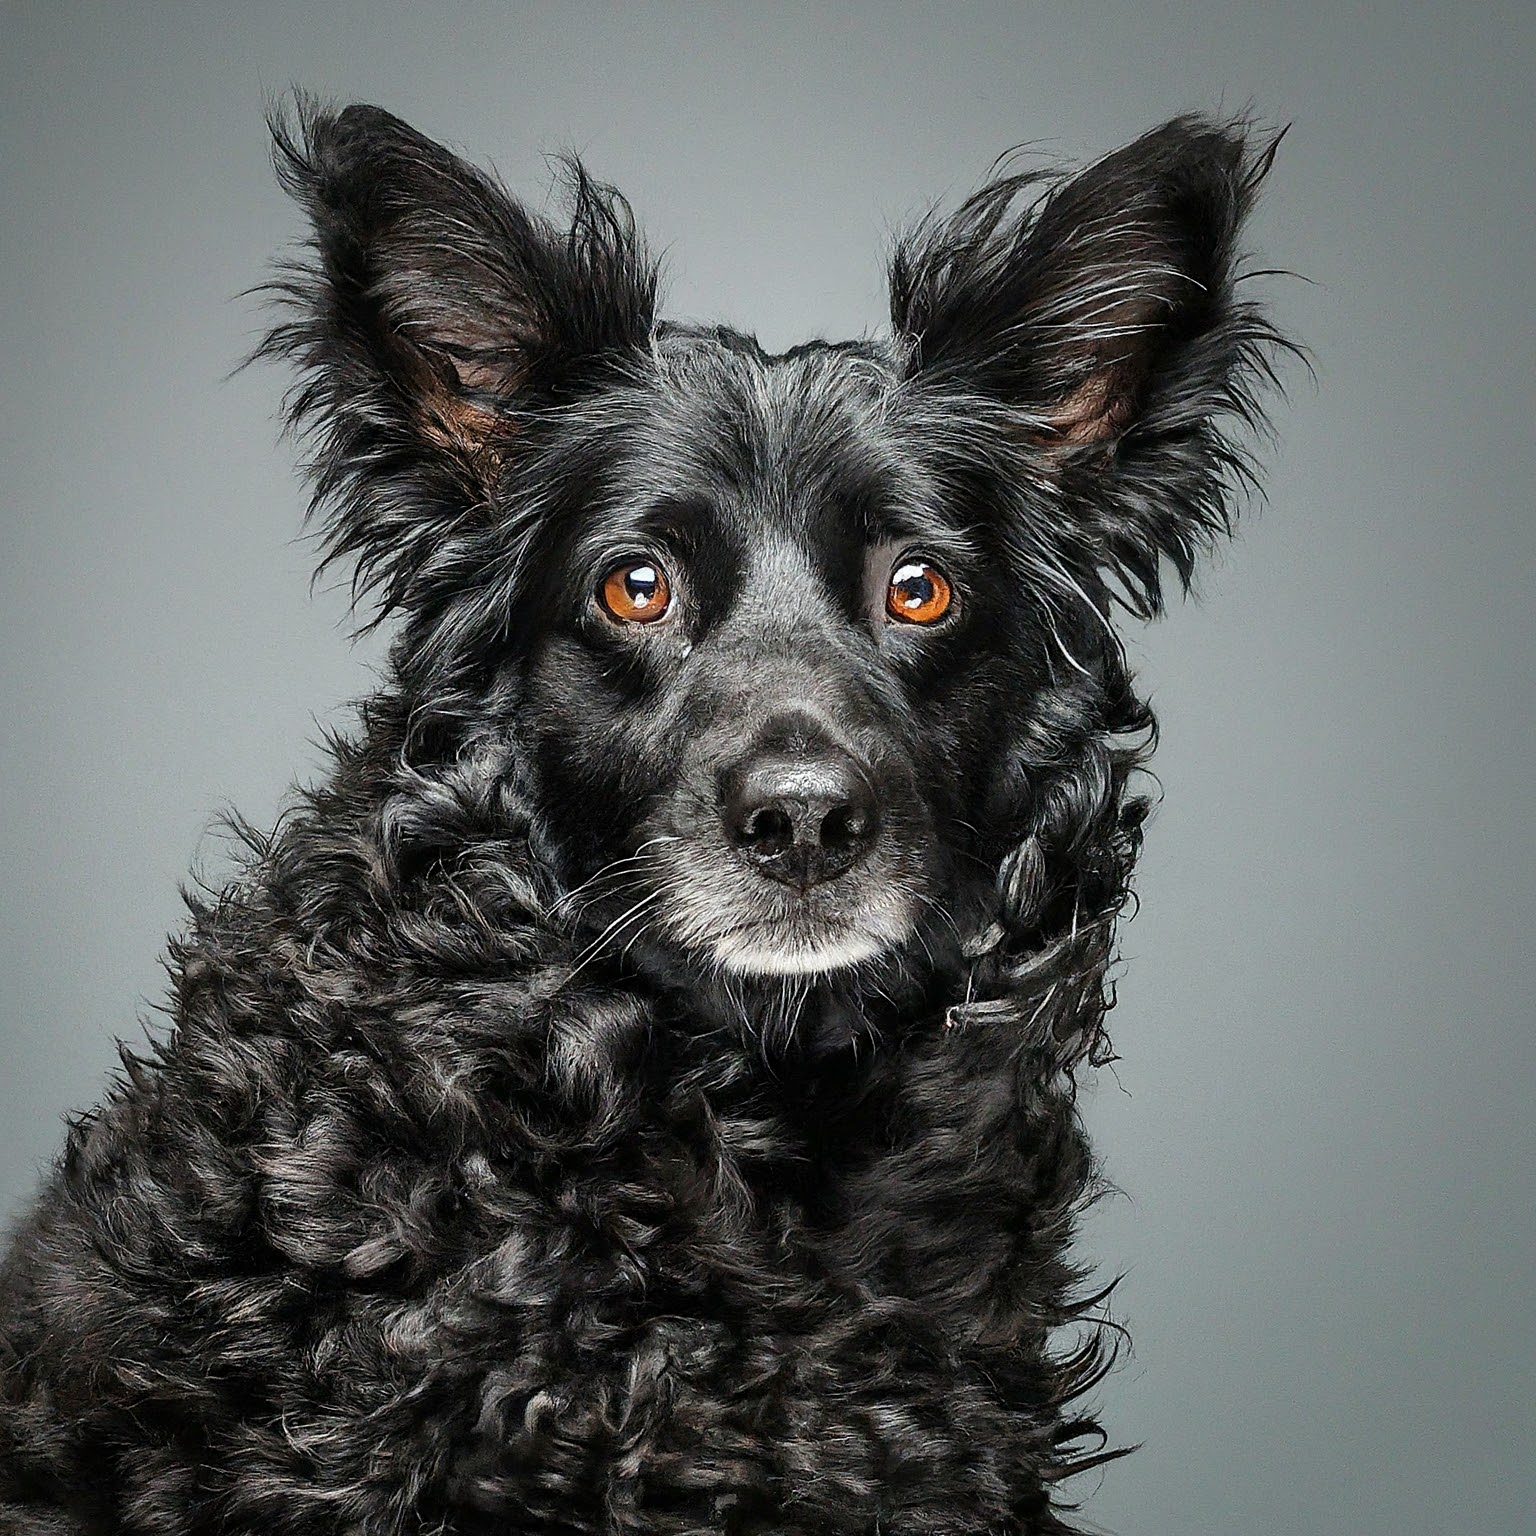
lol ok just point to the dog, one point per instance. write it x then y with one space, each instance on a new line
635 1092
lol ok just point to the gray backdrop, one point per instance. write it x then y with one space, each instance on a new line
1322 1123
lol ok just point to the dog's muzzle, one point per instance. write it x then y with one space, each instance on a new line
790 852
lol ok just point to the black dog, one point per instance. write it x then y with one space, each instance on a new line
636 1092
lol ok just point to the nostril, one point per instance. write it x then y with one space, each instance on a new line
844 826
846 833
768 830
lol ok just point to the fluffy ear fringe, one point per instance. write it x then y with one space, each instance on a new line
1090 328
431 320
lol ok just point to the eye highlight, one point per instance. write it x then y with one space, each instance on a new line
635 591
918 593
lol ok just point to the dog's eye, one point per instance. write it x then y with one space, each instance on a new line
635 592
918 594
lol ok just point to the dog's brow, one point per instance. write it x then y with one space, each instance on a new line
912 520
781 575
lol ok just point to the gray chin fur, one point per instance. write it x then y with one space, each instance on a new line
791 938
746 955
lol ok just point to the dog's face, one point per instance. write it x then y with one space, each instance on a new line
795 648
765 667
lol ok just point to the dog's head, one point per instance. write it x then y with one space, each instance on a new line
807 657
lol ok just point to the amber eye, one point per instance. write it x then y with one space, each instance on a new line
635 592
918 593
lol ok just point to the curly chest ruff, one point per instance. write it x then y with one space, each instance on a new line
636 1092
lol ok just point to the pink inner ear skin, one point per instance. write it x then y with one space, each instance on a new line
1094 412
479 375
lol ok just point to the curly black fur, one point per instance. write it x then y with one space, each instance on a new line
521 1157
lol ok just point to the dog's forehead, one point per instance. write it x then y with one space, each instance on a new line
816 372
779 435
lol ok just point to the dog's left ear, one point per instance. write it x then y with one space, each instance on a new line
1094 322
437 317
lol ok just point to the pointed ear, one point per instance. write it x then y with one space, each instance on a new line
1097 317
433 316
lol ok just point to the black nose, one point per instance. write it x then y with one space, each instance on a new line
800 820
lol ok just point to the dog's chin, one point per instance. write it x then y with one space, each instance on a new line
765 933
766 954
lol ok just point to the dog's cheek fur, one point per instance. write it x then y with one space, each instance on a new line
600 748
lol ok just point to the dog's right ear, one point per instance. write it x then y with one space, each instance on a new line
435 316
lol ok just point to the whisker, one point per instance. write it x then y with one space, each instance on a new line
591 951
610 869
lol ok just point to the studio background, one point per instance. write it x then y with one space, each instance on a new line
1322 1122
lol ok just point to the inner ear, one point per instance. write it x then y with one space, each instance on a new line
1097 410
477 375
1111 332
457 359
469 428
458 401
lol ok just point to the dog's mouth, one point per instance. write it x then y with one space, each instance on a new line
734 920
804 944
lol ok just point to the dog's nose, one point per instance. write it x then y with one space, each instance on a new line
800 820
